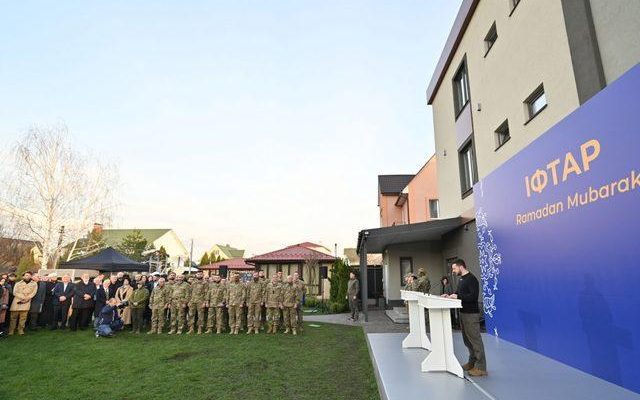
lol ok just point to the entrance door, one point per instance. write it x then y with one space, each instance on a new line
374 282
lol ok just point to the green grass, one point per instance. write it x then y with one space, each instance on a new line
329 362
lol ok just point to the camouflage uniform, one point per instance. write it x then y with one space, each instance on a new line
423 283
235 299
197 300
255 298
216 297
290 300
158 301
302 289
263 309
179 298
273 301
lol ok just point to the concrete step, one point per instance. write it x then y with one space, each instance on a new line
398 317
401 310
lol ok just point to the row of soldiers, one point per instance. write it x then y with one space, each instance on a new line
420 283
215 300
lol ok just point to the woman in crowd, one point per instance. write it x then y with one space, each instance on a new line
4 302
123 294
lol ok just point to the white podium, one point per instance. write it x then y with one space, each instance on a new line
442 357
417 327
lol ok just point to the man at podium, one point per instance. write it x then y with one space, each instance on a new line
468 291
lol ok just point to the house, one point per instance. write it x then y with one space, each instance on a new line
312 265
509 71
225 252
156 238
13 250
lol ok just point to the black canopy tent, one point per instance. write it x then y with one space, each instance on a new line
107 260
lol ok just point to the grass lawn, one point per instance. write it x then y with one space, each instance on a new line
328 362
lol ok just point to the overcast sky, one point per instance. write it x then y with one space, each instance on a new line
254 123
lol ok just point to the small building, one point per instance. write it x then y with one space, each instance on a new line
225 267
312 265
225 252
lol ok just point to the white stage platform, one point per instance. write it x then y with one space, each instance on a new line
514 373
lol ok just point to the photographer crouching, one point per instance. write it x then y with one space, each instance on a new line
109 321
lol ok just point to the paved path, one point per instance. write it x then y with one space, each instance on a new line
378 322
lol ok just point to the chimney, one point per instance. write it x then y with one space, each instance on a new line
97 228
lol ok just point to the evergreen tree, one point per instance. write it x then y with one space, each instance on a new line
339 279
133 245
163 255
205 259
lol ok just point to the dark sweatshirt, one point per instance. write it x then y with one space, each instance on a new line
468 288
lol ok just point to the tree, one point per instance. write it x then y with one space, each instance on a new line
311 264
339 279
204 260
26 264
133 245
53 193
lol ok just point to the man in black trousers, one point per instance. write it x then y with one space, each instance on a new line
82 303
468 291
62 295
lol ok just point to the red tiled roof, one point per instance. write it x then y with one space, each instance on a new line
296 253
232 264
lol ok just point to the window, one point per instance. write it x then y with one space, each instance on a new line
490 39
461 88
434 208
535 103
468 174
502 134
406 267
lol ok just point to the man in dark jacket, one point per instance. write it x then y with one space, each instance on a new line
47 308
109 320
62 295
37 301
101 296
82 303
468 291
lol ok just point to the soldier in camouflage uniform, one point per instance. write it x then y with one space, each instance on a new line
171 280
235 303
281 282
197 303
290 302
273 301
302 288
255 301
215 299
158 302
179 299
423 283
263 309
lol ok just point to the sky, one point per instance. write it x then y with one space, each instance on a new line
254 123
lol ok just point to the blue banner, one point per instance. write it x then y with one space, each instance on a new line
559 239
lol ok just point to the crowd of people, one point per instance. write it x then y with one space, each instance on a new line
194 303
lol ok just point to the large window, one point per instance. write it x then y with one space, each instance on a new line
434 208
468 169
406 267
535 103
490 38
502 134
461 88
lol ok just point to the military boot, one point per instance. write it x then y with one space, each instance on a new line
208 331
294 332
249 331
218 331
171 332
199 331
179 332
286 331
151 332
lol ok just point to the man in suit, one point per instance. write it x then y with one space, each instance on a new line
47 308
37 302
62 295
112 286
82 303
100 298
